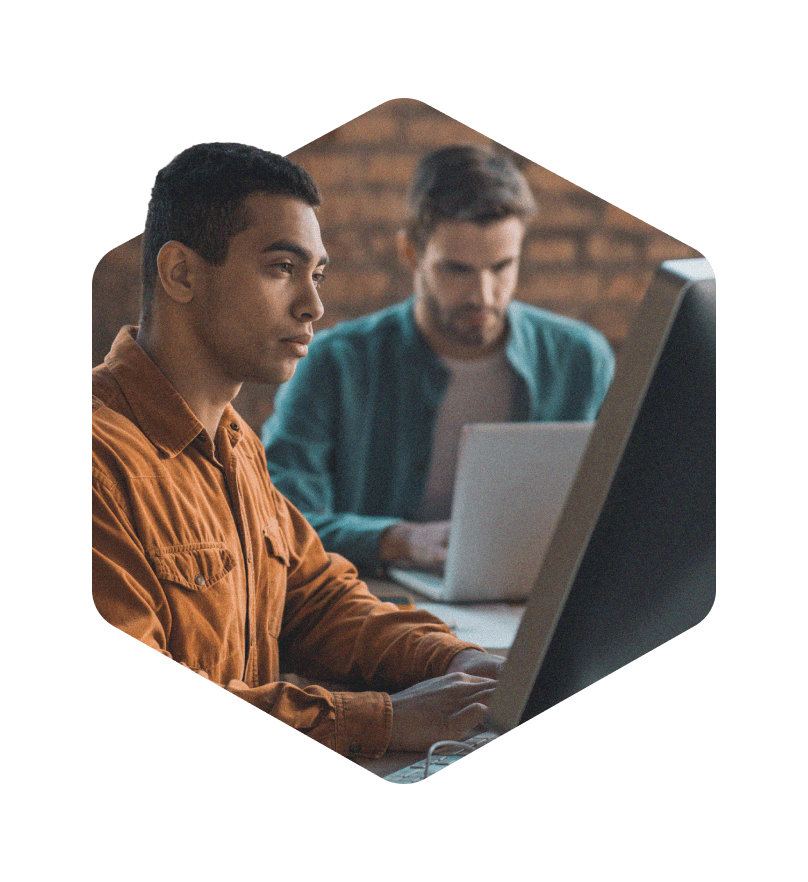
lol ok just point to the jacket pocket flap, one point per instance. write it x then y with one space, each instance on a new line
276 542
194 567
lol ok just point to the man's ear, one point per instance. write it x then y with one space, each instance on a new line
177 268
407 252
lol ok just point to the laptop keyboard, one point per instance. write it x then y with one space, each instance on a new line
443 755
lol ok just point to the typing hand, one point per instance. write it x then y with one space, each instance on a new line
442 709
479 664
418 545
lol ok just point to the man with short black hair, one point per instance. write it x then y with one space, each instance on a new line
364 438
195 553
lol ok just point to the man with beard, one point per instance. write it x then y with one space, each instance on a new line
364 438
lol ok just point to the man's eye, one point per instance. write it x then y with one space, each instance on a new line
455 269
282 267
319 278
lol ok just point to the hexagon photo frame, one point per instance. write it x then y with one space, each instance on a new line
613 527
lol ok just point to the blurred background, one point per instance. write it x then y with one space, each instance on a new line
582 256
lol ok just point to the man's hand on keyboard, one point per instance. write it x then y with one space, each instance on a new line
442 709
420 545
480 664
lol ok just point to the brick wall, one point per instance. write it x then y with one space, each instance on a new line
583 257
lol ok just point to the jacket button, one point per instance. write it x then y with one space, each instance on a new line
354 747
200 580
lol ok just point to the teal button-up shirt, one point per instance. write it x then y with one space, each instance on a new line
350 440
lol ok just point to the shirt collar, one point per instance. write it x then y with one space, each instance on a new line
160 411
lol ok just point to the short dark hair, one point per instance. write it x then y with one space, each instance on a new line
198 199
465 183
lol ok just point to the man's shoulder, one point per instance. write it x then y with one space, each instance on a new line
119 445
110 426
109 402
104 385
561 329
536 317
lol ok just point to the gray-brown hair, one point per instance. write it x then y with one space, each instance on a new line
465 183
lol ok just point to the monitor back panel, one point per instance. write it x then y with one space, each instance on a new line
632 563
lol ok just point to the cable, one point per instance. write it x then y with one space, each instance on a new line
465 746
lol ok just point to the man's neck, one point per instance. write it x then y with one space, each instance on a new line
188 370
444 348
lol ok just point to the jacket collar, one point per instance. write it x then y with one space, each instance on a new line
160 411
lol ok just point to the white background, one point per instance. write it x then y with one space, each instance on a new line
686 764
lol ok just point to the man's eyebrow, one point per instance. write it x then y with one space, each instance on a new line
294 248
448 261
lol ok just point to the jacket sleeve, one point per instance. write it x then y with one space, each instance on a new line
128 594
300 440
335 629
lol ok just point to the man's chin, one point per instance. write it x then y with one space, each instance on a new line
274 374
471 341
476 337
284 372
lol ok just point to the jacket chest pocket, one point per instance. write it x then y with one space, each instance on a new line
194 567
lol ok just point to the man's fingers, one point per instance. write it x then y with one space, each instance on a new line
469 717
467 688
466 695
440 554
446 707
482 694
461 678
443 533
427 543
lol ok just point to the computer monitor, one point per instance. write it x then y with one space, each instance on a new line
632 561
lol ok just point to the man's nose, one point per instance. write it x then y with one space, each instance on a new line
483 289
308 307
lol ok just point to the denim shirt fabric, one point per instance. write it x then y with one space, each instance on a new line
350 439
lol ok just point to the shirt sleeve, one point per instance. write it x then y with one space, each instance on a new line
335 629
128 594
300 439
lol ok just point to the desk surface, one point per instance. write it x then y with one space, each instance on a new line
490 625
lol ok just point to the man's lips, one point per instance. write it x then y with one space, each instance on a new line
299 344
476 315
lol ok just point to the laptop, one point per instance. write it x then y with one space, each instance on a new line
632 562
511 483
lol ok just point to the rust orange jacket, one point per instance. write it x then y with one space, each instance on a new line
196 554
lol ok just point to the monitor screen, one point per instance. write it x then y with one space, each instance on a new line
632 560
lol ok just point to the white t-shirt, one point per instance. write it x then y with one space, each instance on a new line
479 391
